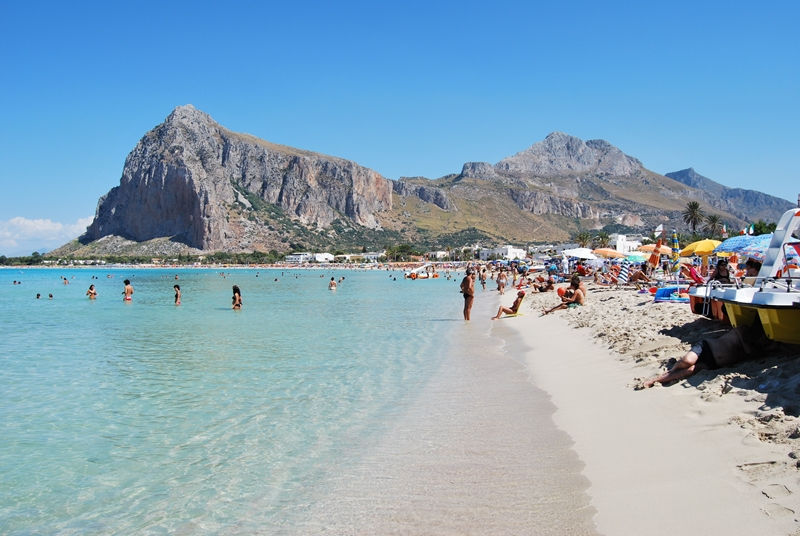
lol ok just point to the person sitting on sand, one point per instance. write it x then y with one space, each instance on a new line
546 285
573 297
510 310
237 298
128 291
92 293
734 346
581 285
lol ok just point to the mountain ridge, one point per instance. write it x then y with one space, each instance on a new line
192 183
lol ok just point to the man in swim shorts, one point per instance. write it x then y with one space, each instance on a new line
468 290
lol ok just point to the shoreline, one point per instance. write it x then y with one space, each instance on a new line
665 459
475 451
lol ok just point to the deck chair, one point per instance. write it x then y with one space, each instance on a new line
519 309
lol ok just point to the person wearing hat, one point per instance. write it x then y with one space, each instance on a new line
468 290
510 310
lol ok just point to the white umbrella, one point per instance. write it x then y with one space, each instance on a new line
581 253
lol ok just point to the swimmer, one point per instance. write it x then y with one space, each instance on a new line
92 293
332 284
177 294
128 292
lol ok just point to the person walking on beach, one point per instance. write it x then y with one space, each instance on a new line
92 293
128 292
468 290
502 278
177 294
237 297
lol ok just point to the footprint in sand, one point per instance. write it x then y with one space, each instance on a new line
774 491
776 510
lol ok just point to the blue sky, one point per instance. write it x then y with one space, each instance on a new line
405 88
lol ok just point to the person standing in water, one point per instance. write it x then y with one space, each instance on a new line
177 294
92 293
332 284
237 297
128 292
468 290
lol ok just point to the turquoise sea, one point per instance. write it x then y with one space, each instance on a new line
146 417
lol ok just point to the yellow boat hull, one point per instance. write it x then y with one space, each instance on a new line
740 315
782 325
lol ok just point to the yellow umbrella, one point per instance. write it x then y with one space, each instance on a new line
608 252
702 248
663 250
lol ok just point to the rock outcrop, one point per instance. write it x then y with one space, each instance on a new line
429 194
183 178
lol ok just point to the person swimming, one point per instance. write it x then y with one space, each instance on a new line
92 293
332 284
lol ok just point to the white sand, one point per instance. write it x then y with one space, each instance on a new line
683 459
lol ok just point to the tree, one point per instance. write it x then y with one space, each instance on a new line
584 238
713 225
693 215
761 227
602 239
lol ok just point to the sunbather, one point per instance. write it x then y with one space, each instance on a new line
510 310
734 346
573 297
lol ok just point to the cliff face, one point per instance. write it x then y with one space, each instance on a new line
184 178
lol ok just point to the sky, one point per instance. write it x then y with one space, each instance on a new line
411 88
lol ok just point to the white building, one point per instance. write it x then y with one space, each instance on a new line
503 252
626 244
438 255
373 256
323 257
298 258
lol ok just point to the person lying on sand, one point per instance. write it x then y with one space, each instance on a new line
510 310
573 297
734 346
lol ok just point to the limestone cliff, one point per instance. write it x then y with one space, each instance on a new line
190 179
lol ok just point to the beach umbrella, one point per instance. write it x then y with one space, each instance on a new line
581 253
746 245
608 253
676 246
662 249
636 256
701 248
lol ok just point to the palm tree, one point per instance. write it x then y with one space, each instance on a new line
693 215
713 225
583 238
602 239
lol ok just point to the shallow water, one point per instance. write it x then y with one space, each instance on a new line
147 417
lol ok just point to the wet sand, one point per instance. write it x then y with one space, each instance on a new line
476 452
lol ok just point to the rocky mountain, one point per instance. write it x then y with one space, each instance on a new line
200 184
749 205
192 184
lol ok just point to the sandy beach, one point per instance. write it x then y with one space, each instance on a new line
714 454
536 429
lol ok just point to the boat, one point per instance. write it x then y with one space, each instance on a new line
426 271
774 296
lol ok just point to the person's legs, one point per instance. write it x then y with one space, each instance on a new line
467 306
683 368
